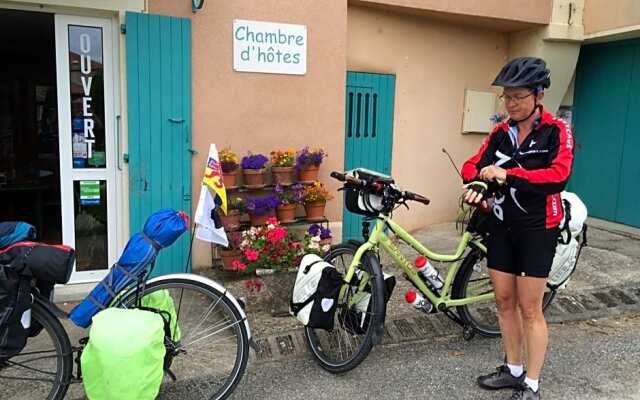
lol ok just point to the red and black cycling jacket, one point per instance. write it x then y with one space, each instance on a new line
537 171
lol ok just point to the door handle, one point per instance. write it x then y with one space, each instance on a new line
176 120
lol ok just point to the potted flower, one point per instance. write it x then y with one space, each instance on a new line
315 200
261 208
253 167
289 199
308 164
229 163
282 162
235 209
323 233
231 255
317 240
274 254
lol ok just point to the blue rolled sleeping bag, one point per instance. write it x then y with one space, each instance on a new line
161 229
15 231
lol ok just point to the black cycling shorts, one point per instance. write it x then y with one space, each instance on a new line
521 252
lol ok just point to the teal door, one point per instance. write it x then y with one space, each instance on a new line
368 131
606 117
159 121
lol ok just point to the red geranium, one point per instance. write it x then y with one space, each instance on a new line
270 246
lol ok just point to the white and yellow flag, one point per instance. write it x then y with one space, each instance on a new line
212 195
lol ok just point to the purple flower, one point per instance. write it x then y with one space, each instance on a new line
325 233
262 205
279 189
254 161
308 157
314 229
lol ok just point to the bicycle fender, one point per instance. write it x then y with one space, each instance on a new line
376 270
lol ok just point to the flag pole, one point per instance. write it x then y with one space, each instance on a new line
193 234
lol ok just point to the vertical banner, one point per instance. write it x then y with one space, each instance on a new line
212 195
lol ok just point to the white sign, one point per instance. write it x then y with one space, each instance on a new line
269 47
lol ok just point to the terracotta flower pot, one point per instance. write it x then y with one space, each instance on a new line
257 220
308 174
286 212
315 210
228 256
230 179
253 178
231 221
282 175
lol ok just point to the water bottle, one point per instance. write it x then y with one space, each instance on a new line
428 272
419 302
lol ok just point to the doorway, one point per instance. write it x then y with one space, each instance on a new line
58 132
29 144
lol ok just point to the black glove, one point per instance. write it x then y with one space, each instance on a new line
478 187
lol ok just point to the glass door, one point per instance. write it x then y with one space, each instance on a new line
84 63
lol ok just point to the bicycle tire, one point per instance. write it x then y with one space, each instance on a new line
50 324
377 312
242 356
459 291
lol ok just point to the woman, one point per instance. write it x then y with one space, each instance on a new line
530 156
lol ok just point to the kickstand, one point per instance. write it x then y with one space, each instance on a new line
171 374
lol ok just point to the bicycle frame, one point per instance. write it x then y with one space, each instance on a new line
378 238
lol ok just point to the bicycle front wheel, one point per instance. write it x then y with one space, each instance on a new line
473 280
351 339
209 345
43 369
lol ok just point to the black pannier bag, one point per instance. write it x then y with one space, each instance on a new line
21 265
15 305
363 201
47 263
315 293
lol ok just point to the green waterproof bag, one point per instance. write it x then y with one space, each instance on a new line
161 300
124 357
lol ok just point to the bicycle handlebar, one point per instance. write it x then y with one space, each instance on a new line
359 182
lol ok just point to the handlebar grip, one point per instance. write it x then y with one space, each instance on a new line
339 176
416 197
347 178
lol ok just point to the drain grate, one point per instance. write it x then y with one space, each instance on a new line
285 345
264 349
569 305
405 328
622 296
605 299
588 302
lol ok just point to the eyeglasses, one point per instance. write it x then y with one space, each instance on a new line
515 99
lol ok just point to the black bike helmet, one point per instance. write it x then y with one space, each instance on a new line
530 72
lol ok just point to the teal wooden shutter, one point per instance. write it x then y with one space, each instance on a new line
606 116
159 121
368 131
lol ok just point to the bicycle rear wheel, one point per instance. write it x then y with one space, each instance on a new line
473 280
43 369
348 344
210 345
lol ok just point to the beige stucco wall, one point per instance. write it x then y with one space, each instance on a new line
262 112
434 62
606 15
538 12
558 44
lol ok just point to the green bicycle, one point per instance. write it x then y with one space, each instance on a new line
466 295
